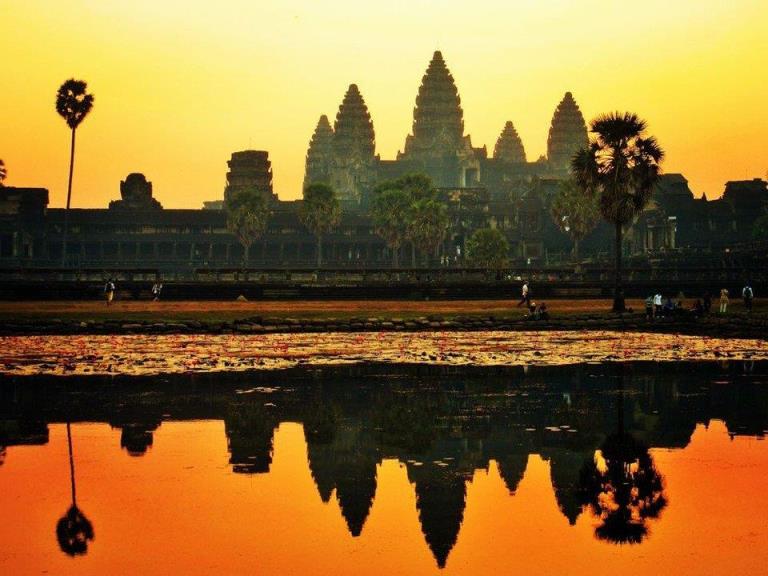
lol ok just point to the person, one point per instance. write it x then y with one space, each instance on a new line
649 308
748 295
698 308
707 302
657 304
109 291
669 307
157 287
526 296
723 300
542 312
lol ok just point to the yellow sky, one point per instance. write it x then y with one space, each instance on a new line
180 85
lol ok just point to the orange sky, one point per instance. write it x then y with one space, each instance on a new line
180 85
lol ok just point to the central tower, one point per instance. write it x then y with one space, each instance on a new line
437 144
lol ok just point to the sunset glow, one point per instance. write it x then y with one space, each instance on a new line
179 86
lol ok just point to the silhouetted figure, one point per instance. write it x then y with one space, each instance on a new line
707 302
109 291
73 530
747 294
525 294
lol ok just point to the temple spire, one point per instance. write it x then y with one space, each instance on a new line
319 154
354 149
509 146
567 133
438 120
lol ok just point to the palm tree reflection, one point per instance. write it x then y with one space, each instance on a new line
621 485
73 530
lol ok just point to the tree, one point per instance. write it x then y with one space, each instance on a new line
73 530
427 225
575 212
73 104
320 212
760 228
488 248
247 215
3 173
389 213
620 167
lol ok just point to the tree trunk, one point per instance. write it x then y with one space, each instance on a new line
71 465
246 255
395 256
413 255
576 250
319 250
69 197
618 291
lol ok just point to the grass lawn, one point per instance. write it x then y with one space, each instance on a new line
220 311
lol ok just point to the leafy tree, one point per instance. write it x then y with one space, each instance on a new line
575 212
760 228
620 167
247 215
488 248
320 212
427 225
389 212
3 172
73 103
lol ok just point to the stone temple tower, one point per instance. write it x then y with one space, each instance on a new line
509 146
319 154
437 144
353 169
250 168
567 133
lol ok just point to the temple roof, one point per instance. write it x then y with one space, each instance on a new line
354 135
438 120
509 146
319 153
567 133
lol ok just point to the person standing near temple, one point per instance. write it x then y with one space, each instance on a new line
109 291
526 295
723 300
747 294
157 288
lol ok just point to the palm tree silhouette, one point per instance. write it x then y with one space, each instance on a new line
73 104
621 485
73 530
621 167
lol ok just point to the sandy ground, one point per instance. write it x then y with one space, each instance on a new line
227 310
147 355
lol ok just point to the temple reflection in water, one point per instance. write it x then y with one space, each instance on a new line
594 424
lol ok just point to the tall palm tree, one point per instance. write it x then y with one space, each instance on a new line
73 104
247 216
320 212
389 212
73 530
620 166
428 223
575 212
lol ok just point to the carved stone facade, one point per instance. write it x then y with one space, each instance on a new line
250 169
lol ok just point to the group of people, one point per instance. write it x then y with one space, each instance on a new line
110 289
535 311
656 306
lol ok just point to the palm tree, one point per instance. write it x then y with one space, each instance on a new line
575 212
621 167
428 223
73 104
488 248
73 530
320 212
247 215
389 214
3 172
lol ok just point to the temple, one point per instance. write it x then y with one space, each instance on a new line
505 190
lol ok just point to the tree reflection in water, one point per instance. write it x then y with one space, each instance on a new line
73 530
621 485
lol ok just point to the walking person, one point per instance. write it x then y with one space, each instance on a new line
747 294
657 305
109 291
723 300
526 296
157 288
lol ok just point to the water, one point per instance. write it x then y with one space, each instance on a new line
389 470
